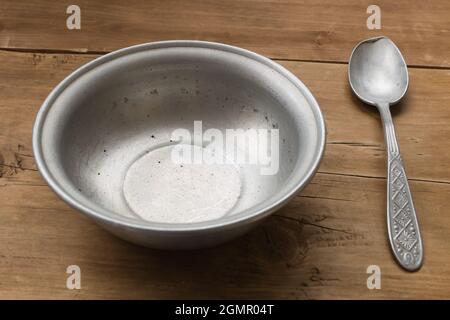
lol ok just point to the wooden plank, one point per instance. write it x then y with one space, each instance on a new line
318 246
355 143
301 30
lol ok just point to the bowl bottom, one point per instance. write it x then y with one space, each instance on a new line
179 184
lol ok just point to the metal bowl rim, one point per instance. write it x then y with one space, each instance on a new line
243 218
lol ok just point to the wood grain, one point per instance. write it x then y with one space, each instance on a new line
318 246
289 29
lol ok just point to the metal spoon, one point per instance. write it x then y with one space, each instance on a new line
378 76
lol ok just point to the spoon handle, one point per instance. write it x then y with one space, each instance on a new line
403 227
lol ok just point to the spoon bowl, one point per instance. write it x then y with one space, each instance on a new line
378 72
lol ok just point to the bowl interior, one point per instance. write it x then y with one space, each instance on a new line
109 133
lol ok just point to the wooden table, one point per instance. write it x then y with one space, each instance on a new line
320 244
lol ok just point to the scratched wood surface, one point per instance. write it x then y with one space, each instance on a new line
321 243
323 30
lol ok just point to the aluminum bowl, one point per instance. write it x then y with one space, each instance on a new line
102 136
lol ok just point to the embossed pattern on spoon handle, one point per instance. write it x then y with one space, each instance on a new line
403 227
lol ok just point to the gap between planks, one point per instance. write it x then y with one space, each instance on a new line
318 172
83 51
